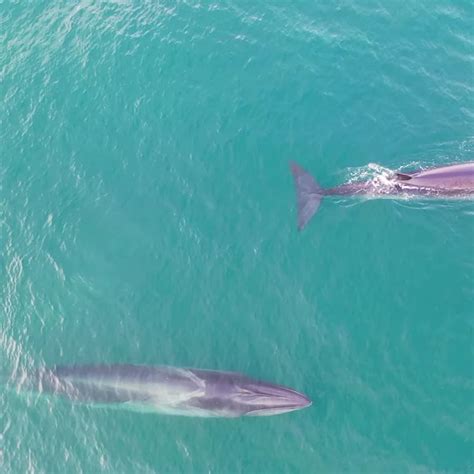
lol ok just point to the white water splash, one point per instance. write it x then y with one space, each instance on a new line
371 172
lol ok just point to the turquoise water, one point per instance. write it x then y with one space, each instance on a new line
147 216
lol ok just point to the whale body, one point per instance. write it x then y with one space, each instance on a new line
169 390
455 180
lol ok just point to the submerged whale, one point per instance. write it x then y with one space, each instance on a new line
169 390
456 180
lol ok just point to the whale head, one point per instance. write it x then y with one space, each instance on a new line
262 399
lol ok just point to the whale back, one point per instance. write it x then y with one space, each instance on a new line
120 383
459 176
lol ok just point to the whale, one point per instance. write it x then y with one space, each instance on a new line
167 390
452 181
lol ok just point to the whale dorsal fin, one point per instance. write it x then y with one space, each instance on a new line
402 176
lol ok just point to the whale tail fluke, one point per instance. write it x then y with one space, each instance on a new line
308 194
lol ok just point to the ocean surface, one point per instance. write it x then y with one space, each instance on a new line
147 216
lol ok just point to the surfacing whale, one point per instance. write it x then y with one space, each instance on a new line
168 390
455 180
